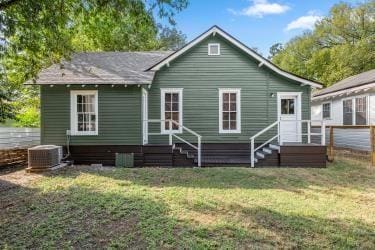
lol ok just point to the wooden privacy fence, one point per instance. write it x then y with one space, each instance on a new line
356 138
14 143
19 137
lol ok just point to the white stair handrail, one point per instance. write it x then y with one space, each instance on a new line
171 134
199 138
252 140
278 123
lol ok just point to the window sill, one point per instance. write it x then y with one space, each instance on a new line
166 132
83 134
230 132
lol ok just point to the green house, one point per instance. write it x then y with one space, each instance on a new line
200 105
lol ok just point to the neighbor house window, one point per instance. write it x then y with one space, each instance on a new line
326 107
213 49
361 111
171 109
348 112
84 112
355 111
229 110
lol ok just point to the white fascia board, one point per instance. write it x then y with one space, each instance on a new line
340 93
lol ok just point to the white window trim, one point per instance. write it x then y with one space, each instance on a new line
354 117
162 109
330 110
238 105
73 112
218 49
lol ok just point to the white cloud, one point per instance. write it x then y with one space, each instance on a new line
260 8
304 22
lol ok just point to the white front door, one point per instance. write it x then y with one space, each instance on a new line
289 116
145 116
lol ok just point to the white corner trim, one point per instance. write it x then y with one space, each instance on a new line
235 42
218 49
238 106
163 91
144 116
73 112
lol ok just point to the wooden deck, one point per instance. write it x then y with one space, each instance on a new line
220 154
302 155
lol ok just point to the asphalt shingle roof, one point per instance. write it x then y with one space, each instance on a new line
350 82
103 68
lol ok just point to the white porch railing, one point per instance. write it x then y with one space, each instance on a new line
171 133
279 136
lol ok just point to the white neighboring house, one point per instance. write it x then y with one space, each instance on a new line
348 102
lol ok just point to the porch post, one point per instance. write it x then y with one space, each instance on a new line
170 132
199 151
252 153
309 132
323 133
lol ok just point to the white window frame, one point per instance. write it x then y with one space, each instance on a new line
238 111
330 111
354 107
73 112
218 49
163 91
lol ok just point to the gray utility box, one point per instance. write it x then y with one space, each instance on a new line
125 160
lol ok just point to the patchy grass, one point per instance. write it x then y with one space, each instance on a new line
224 208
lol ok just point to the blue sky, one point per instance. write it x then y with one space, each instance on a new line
257 23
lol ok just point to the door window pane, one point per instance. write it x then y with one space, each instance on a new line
287 106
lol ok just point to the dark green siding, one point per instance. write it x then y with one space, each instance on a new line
201 76
119 116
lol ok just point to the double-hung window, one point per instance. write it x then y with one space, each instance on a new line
171 109
84 112
355 111
229 110
348 112
361 110
326 110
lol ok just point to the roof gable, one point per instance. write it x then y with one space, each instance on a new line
262 61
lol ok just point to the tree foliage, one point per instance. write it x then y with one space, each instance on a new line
35 34
342 44
171 38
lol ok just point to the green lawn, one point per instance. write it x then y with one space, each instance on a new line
191 208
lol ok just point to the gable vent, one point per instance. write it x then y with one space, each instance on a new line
214 49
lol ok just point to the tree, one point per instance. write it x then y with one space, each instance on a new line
342 44
6 109
171 38
275 49
35 34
